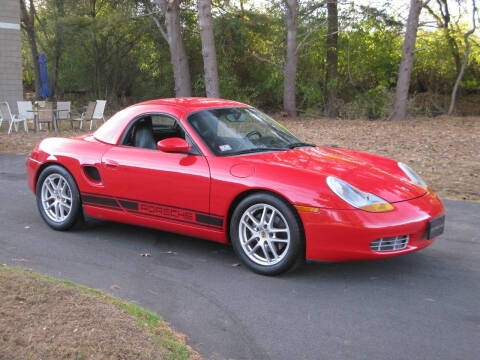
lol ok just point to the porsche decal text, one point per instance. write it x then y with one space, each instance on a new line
167 211
162 211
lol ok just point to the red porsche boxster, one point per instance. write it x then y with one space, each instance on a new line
224 171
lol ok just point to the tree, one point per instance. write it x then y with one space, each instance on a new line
466 37
406 65
113 49
208 48
444 21
290 66
28 24
178 55
332 58
92 11
58 15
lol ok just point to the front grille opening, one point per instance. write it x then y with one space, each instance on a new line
390 243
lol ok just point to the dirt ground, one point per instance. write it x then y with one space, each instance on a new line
23 143
445 151
44 318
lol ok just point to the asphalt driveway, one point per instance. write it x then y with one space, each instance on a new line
424 305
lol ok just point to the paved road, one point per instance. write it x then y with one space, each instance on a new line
420 306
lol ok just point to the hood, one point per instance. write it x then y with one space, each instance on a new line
382 177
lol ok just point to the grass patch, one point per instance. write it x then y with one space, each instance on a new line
46 318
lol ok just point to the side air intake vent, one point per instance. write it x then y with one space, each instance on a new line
92 173
390 243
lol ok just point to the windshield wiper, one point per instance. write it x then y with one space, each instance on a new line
299 144
254 150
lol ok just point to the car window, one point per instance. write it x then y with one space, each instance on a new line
238 129
162 127
163 122
231 131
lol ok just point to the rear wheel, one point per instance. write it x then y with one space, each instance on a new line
58 198
266 235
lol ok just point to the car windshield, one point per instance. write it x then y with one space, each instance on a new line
233 131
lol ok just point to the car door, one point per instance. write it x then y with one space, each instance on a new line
159 185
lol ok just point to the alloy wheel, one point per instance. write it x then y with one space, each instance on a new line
264 234
56 197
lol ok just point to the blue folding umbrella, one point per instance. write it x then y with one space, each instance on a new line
45 90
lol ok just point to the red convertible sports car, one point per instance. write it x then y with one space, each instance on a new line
224 171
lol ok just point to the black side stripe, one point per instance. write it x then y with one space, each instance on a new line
104 206
208 220
153 203
100 200
133 206
130 205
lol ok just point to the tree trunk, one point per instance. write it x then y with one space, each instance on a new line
332 59
208 48
454 49
96 51
59 14
36 66
290 66
178 55
406 65
28 24
453 98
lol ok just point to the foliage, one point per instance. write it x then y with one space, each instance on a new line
110 49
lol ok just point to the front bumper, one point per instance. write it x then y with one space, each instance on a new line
344 235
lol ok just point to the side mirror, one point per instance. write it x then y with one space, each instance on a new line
174 145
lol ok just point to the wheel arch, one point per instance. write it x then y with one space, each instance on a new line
48 164
249 192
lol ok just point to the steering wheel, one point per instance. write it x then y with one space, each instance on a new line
252 133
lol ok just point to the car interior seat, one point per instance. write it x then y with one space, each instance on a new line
144 134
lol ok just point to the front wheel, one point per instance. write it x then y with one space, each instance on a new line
58 198
266 235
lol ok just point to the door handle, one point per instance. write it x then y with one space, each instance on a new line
111 163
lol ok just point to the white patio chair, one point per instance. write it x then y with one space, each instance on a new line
63 111
98 112
12 119
25 110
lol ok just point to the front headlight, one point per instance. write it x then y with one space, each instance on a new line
412 175
358 198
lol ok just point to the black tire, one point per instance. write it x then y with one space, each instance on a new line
75 213
293 254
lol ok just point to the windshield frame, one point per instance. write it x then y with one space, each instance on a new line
251 151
